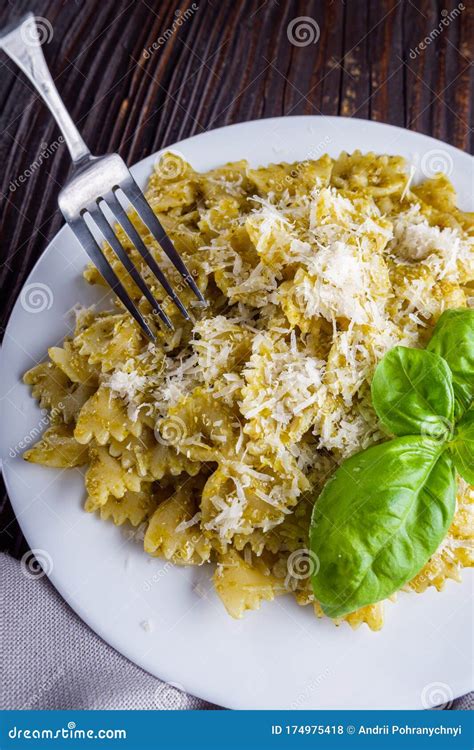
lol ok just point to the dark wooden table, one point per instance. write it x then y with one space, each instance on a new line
137 76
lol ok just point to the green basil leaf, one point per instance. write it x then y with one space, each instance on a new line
378 521
462 447
453 339
412 393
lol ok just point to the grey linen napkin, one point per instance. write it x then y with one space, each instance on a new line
50 659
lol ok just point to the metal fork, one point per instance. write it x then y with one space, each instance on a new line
96 182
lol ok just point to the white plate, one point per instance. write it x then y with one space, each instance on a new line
280 656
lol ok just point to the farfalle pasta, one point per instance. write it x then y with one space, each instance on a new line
216 440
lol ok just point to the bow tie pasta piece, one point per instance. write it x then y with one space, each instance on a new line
49 385
257 541
332 213
200 427
340 285
282 393
237 269
174 531
164 460
419 293
177 378
219 218
173 184
221 345
105 476
274 238
133 507
343 428
135 452
335 216
316 333
376 175
150 459
290 535
372 614
58 447
109 341
188 240
356 352
255 289
240 497
447 251
54 391
102 416
74 400
437 195
297 179
74 365
437 198
224 183
286 464
343 277
241 586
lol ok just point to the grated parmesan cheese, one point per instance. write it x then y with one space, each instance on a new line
188 524
126 384
441 249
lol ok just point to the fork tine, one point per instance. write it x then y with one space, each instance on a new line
136 240
144 210
109 235
88 242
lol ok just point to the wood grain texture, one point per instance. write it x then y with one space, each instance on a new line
226 62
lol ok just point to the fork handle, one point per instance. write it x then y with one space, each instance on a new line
21 43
